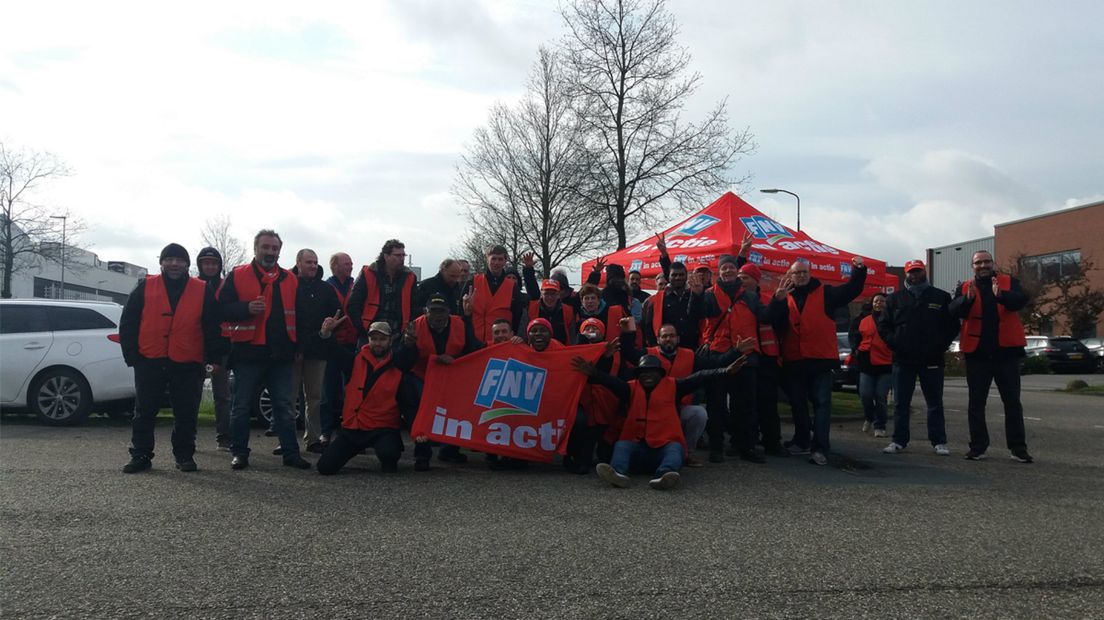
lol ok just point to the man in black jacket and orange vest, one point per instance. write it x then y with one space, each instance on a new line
384 291
918 327
810 350
371 418
993 341
495 296
258 300
168 330
545 302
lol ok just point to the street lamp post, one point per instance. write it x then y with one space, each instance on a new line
784 191
64 219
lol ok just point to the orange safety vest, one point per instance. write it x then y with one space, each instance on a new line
768 342
248 287
164 333
1010 331
812 333
346 333
657 312
538 309
379 406
488 307
454 346
372 301
682 367
880 355
654 418
739 323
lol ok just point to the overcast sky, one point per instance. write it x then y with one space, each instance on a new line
902 125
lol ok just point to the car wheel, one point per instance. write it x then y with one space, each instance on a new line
60 397
263 410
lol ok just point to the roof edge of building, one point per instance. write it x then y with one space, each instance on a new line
1050 213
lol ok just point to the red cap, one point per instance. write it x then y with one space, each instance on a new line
538 322
593 322
914 264
752 270
550 285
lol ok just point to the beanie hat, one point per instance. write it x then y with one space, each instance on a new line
753 271
726 258
175 250
209 252
596 324
543 322
615 271
560 277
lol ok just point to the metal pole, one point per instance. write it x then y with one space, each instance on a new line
64 219
786 191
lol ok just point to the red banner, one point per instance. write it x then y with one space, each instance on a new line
507 399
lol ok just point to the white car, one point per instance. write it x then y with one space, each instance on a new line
62 359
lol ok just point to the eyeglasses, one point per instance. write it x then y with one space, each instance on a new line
398 255
983 262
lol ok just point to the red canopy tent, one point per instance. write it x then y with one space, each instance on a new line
702 238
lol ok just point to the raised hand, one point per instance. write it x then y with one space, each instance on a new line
517 340
627 324
696 286
971 290
612 346
528 259
996 288
330 323
600 263
785 287
661 243
584 366
468 302
745 244
857 261
410 337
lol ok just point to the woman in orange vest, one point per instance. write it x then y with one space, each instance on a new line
875 362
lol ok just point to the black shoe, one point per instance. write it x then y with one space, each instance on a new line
186 465
716 456
222 445
389 468
752 456
270 433
277 451
137 464
975 455
508 464
297 462
316 448
452 457
239 462
1021 456
776 449
421 465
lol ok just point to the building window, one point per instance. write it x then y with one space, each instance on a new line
1051 267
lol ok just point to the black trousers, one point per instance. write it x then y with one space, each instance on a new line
348 443
766 401
731 407
980 374
151 381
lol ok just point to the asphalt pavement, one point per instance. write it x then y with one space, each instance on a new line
909 535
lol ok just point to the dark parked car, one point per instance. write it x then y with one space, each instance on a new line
1096 347
1064 354
847 373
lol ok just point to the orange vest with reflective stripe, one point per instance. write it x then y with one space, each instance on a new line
880 355
653 418
454 346
768 342
164 333
1010 331
248 288
372 301
379 407
346 333
812 333
739 323
488 307
682 367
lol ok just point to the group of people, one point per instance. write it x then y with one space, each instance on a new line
700 361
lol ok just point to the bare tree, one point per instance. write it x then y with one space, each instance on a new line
29 231
216 233
521 179
631 84
1063 294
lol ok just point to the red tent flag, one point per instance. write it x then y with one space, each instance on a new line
719 228
507 399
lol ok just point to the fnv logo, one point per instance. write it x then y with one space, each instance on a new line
636 265
517 385
694 226
762 227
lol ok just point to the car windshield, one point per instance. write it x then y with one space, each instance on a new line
1068 345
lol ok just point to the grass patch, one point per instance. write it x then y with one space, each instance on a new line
844 405
1097 390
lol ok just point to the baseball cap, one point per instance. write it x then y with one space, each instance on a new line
437 301
914 264
380 326
550 285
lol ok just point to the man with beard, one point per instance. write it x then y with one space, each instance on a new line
445 284
168 329
810 350
315 301
545 302
918 327
209 262
992 340
634 287
384 291
258 300
673 305
372 403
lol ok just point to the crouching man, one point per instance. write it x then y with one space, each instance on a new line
370 418
651 438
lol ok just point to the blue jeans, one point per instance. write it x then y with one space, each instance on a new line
931 384
333 395
815 386
873 390
637 457
248 377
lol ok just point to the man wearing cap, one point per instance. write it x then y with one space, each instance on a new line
992 341
651 438
545 302
373 401
168 330
209 263
810 349
258 300
917 326
384 291
443 337
494 296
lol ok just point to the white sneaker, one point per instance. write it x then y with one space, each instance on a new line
668 480
867 426
609 474
818 458
942 450
893 448
880 432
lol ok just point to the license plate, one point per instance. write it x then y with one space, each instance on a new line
1075 356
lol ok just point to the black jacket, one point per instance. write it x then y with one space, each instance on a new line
215 347
434 286
315 300
278 347
1013 300
918 329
